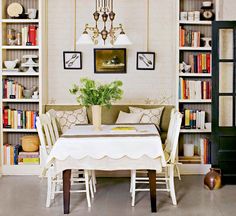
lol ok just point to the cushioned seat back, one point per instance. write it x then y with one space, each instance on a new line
109 116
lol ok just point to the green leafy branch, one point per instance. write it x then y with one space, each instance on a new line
93 93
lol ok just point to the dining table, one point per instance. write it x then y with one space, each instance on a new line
113 147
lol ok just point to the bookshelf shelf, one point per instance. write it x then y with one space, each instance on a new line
194 85
195 48
195 74
20 47
194 131
21 169
19 74
195 101
20 21
6 130
20 100
194 169
24 79
195 22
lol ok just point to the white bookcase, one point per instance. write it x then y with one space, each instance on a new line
182 52
12 136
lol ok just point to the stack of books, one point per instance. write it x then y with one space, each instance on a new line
10 154
193 119
28 158
200 63
205 151
12 89
191 89
19 119
189 38
29 35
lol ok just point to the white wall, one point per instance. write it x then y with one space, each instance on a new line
138 85
228 9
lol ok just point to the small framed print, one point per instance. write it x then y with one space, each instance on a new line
72 60
145 61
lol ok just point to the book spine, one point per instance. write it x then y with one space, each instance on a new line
32 35
5 118
24 119
208 62
8 155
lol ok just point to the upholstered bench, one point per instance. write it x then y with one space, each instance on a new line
109 116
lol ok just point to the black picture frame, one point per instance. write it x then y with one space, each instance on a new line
72 60
110 61
146 61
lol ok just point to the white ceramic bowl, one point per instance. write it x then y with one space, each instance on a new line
10 64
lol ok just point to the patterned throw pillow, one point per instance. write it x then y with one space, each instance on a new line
128 118
149 115
67 119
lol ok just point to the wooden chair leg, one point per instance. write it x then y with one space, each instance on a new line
167 178
66 190
94 181
49 189
86 175
53 190
91 187
153 192
172 185
133 183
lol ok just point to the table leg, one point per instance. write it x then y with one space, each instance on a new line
66 190
152 185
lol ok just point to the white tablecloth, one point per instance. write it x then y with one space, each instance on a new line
84 148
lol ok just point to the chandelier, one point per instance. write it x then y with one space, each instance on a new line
104 10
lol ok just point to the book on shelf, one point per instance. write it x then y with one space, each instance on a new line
29 35
19 119
205 150
193 119
196 159
10 154
192 89
28 158
200 63
12 89
123 129
189 38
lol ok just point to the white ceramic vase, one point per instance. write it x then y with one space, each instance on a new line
97 117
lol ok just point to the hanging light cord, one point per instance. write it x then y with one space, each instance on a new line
75 32
148 27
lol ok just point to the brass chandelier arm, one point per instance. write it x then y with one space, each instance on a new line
95 29
104 10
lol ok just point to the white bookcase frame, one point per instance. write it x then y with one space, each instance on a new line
190 169
42 53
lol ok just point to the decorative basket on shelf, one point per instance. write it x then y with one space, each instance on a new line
30 143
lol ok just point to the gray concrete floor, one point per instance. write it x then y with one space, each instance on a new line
25 196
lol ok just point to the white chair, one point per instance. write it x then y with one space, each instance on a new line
170 154
54 180
52 115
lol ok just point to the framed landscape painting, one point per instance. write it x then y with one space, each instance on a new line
110 60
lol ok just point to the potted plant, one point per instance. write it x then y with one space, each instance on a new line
96 95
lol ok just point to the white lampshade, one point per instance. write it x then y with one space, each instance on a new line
122 39
84 39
